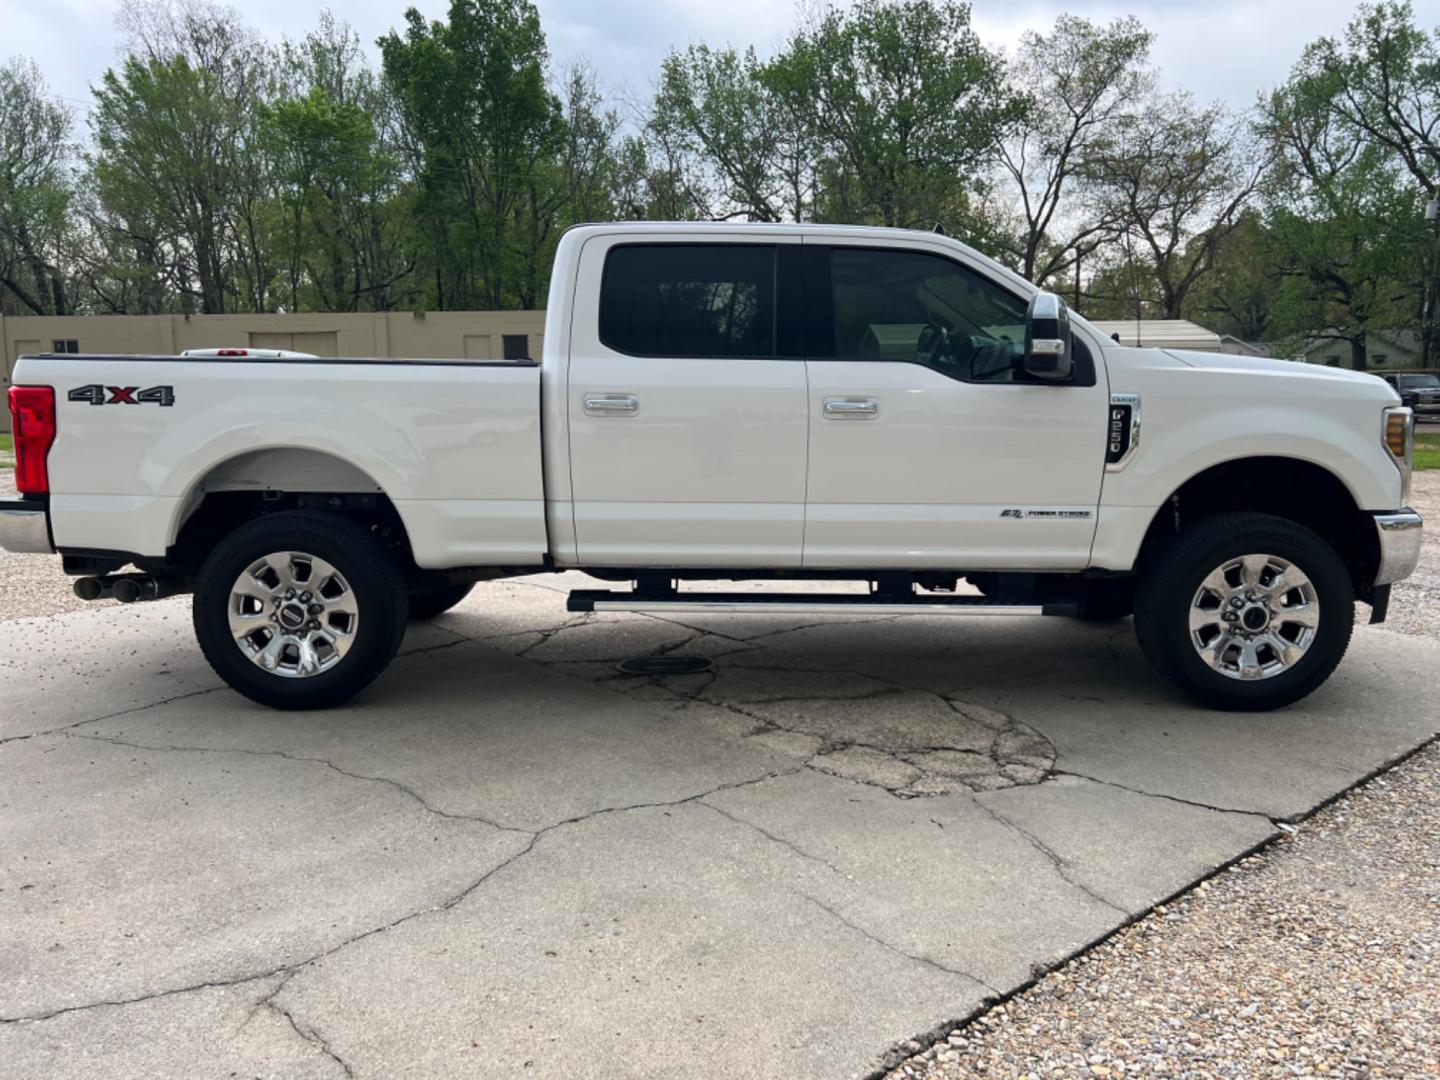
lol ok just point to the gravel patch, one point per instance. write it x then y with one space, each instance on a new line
1317 957
1415 602
34 584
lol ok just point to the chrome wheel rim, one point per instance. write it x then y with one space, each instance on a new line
293 614
1254 617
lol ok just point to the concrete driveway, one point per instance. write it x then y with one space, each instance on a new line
507 859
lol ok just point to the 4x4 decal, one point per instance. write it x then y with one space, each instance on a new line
95 394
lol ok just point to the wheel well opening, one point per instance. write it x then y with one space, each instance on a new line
1299 491
262 482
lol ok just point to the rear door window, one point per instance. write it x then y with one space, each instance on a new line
689 300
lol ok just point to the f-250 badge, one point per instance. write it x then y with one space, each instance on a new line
95 394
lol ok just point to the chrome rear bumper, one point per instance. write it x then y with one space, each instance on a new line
24 527
1400 532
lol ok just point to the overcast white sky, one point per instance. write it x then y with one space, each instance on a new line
1223 49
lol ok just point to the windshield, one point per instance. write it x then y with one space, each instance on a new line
1420 382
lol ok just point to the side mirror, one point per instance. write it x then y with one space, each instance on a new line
1047 337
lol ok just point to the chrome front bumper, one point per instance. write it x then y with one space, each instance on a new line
1400 532
24 527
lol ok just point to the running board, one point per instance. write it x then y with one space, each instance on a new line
719 603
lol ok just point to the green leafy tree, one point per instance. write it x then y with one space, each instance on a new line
35 192
906 106
1084 81
749 155
571 185
1239 296
649 182
1347 235
481 124
1381 83
339 181
177 159
1176 179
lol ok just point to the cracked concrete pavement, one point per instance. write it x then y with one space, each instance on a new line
507 856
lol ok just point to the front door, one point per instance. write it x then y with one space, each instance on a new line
687 405
929 447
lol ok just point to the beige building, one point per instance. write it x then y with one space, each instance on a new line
1160 333
460 335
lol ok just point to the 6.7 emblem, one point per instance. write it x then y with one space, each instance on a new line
95 394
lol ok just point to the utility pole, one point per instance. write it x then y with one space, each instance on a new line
1432 282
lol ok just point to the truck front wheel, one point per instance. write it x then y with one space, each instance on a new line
300 610
1245 611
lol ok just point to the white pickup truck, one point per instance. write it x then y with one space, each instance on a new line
735 402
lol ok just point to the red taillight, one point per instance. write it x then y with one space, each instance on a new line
232 352
32 419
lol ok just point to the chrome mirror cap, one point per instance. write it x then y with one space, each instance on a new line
1047 337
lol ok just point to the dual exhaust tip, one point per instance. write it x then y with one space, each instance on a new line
125 588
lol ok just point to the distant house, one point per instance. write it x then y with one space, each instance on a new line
1383 349
1229 343
1161 333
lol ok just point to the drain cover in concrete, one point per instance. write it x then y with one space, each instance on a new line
666 665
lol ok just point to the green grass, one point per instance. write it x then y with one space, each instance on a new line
1427 450
7 452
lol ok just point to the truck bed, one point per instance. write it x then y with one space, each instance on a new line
454 445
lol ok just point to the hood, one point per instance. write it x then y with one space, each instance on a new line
1264 365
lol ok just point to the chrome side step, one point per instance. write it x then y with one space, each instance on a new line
805 604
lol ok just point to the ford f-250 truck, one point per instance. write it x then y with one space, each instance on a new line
735 402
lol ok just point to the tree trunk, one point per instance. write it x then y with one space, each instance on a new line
1357 352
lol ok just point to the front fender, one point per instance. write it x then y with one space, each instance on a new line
1196 419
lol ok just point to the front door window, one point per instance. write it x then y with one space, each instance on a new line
920 308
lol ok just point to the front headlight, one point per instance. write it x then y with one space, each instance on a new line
1399 438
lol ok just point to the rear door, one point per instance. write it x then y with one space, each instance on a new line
687 402
929 448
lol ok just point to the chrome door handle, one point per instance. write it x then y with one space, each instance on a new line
608 404
852 408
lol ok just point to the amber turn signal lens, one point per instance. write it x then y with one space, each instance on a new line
1397 433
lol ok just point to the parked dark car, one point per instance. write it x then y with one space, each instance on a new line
1421 391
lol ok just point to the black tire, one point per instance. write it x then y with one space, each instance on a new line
1173 578
1108 600
371 573
432 602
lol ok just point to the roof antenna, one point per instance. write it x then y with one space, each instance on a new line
940 229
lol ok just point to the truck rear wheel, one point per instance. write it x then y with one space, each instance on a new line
1245 611
300 610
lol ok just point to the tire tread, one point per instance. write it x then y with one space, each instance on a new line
368 565
1167 574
